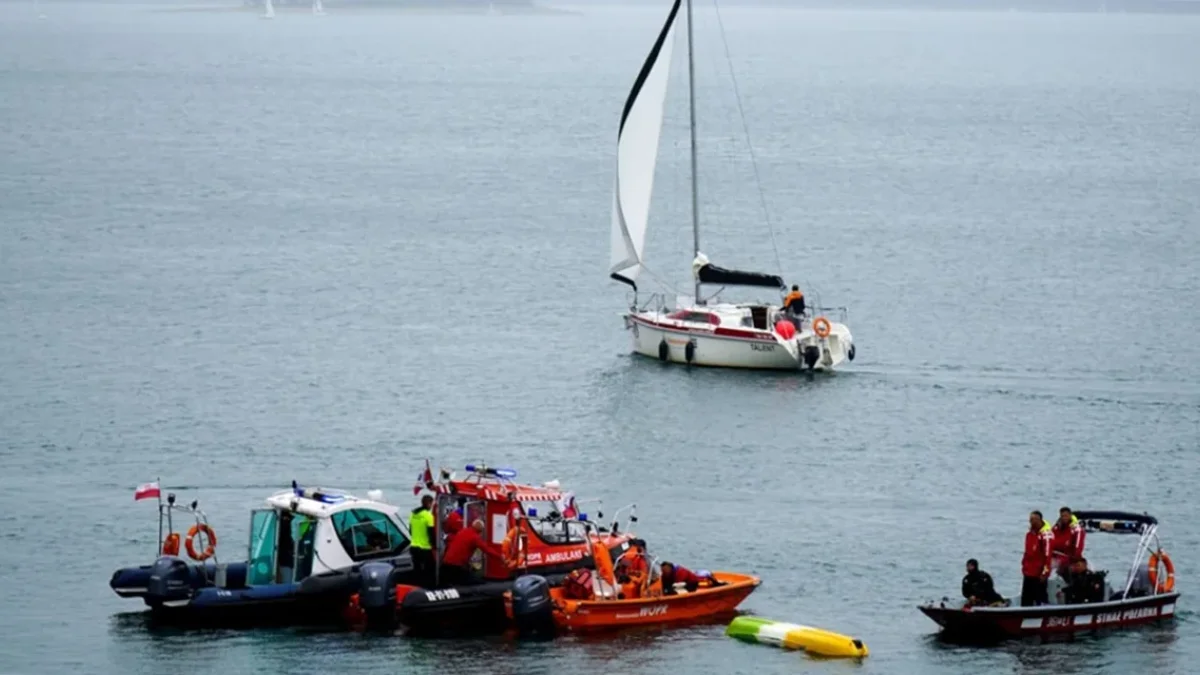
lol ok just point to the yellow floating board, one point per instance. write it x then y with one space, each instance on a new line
795 636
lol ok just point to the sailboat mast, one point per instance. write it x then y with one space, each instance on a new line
692 115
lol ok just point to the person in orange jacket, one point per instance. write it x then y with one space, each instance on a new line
463 544
633 570
1035 564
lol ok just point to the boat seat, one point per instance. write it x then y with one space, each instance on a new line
602 588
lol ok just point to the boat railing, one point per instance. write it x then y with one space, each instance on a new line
657 302
616 521
839 314
1144 549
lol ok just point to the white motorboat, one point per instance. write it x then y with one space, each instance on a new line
700 331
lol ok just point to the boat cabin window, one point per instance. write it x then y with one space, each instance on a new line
368 534
555 531
695 317
261 558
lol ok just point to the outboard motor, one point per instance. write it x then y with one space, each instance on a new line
533 611
811 354
377 593
171 580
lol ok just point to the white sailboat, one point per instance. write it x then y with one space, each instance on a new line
697 331
317 8
268 10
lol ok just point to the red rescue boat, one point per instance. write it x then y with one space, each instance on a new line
1147 595
539 529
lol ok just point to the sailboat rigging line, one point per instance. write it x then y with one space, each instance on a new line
762 197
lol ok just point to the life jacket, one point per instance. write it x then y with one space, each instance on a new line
578 584
794 295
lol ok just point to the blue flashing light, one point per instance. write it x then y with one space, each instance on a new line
532 512
506 473
583 517
471 468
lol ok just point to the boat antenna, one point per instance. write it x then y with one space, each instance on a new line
692 129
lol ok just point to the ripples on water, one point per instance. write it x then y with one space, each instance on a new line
238 252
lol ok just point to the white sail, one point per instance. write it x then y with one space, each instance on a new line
637 155
268 10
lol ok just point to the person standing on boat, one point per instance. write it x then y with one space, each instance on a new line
420 528
977 586
455 569
1035 565
1066 541
793 304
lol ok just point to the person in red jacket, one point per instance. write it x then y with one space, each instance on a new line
454 522
1066 541
455 570
1035 565
678 574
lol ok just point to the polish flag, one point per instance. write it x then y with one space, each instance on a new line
146 491
424 479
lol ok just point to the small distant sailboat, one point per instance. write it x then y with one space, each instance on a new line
318 8
268 10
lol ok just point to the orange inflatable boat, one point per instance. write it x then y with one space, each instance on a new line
596 601
607 613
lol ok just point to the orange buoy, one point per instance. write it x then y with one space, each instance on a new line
822 327
208 534
785 329
511 548
1168 582
171 544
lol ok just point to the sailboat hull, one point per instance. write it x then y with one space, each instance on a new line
728 347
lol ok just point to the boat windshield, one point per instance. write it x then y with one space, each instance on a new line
558 532
368 534
263 526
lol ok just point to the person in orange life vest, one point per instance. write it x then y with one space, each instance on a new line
1035 564
678 574
633 570
1066 541
793 305
458 554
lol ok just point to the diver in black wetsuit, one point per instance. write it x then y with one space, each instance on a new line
977 586
1083 585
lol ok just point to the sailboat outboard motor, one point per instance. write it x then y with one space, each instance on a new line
172 579
811 354
377 593
533 612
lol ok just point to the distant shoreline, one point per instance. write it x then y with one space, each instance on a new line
359 7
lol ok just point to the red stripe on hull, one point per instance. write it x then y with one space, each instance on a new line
732 333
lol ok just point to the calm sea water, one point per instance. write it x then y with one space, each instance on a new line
237 252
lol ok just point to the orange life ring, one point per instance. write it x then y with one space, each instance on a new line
511 548
208 534
1168 582
822 327
171 544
